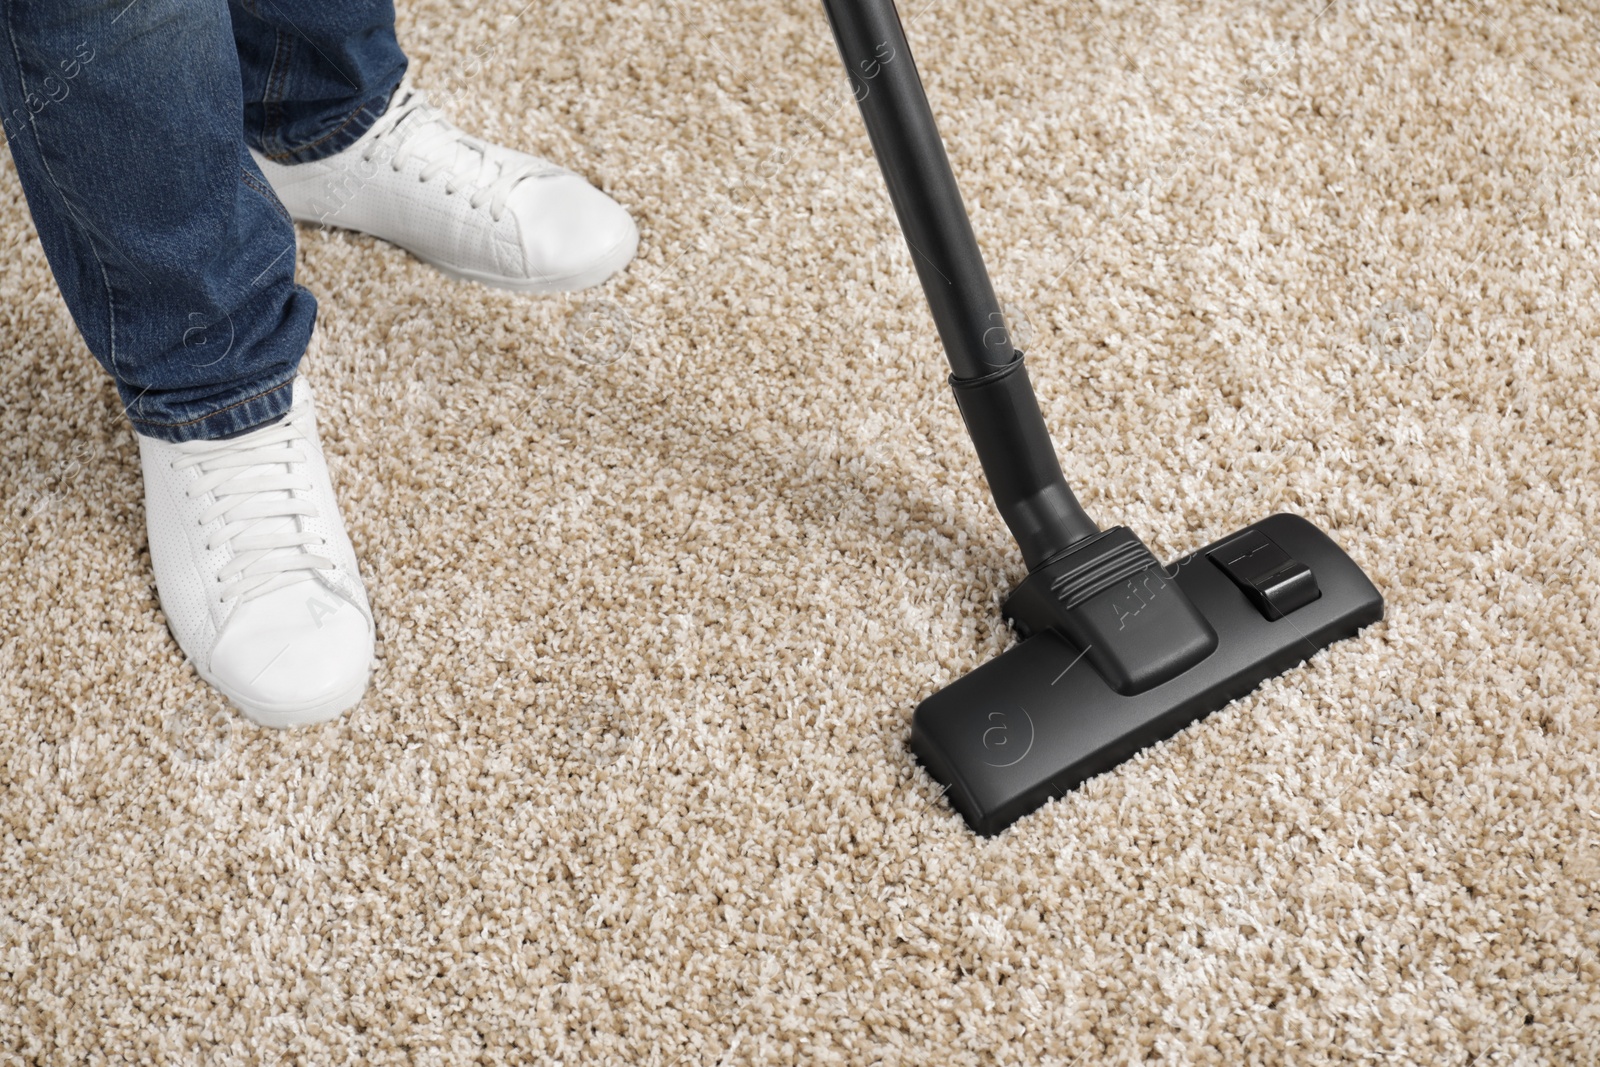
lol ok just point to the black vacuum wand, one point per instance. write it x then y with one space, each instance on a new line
987 374
1118 652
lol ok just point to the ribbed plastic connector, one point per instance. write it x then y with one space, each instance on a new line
1110 597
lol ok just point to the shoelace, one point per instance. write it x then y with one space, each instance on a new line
255 481
413 127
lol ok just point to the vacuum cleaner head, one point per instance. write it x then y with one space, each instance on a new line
1121 652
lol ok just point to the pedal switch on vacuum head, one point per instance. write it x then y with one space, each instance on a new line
1275 582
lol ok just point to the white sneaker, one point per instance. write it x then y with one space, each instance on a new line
475 210
255 571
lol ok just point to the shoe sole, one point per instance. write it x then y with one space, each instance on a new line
283 716
614 259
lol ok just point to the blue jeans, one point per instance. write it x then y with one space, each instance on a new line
128 122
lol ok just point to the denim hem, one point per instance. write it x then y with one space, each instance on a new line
345 134
244 415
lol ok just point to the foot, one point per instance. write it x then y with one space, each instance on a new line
477 211
255 571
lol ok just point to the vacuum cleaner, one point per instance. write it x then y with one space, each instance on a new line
1117 651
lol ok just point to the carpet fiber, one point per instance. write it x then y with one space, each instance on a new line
661 570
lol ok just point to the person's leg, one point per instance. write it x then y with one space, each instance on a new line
345 143
316 73
177 262
172 252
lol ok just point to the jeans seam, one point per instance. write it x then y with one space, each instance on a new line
219 411
44 164
331 133
272 93
266 194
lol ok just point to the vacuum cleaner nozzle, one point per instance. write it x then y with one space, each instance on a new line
1123 654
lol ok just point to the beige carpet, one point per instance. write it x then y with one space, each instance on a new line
660 573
